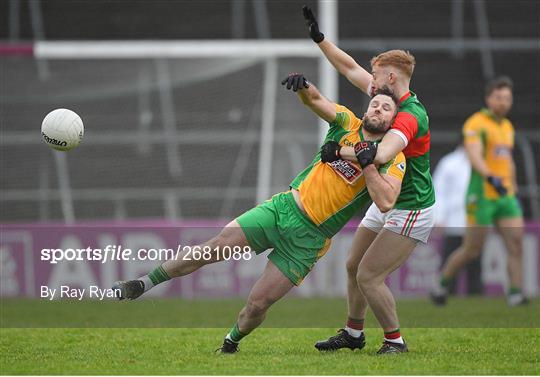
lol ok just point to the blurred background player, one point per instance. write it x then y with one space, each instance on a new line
384 241
451 180
297 224
491 197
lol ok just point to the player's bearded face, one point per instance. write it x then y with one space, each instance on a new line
374 125
379 115
500 101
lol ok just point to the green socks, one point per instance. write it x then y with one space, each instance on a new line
158 276
444 282
514 290
235 335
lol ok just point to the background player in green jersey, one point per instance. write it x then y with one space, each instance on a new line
489 140
297 224
384 241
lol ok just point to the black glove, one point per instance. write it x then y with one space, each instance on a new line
330 151
497 184
312 24
365 152
296 81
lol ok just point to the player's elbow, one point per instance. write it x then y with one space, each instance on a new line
385 204
387 201
385 207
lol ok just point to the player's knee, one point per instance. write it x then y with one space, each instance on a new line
223 239
352 268
471 252
471 257
229 236
365 279
515 239
473 246
516 248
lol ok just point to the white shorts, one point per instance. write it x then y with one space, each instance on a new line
415 224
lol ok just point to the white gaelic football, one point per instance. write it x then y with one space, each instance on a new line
62 129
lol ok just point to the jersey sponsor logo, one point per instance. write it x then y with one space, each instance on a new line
348 143
401 166
501 151
346 170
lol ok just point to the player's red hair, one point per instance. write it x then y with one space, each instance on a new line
400 59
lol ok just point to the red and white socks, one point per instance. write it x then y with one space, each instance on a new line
354 327
393 336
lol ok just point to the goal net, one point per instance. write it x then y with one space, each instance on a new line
172 129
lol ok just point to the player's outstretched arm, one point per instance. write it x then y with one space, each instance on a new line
387 149
310 96
342 61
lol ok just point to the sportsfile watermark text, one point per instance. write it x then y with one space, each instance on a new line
118 253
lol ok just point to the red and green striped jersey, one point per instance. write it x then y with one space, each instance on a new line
412 125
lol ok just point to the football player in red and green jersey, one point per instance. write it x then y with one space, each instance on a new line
384 241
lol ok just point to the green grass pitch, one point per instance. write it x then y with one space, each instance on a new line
163 337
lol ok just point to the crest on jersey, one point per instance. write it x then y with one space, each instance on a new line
502 151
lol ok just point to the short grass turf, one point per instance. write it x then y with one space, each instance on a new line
271 350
